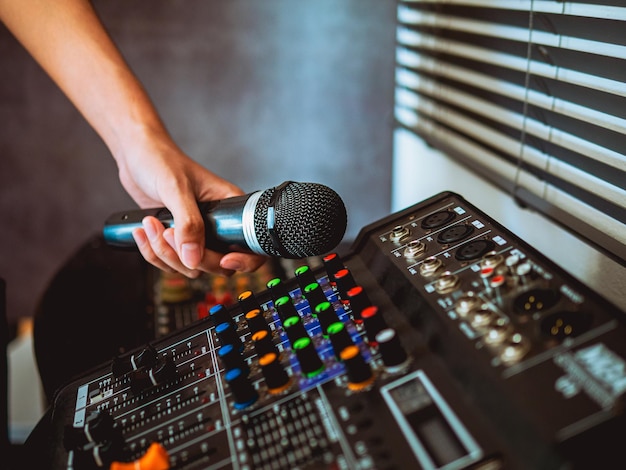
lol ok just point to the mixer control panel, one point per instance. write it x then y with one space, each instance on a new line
440 340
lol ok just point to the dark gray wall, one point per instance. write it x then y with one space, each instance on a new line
259 92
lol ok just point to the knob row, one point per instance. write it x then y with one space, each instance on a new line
359 373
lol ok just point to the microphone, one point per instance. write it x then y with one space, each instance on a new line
292 220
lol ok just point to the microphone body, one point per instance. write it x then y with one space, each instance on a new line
292 220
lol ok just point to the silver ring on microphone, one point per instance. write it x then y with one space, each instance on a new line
247 225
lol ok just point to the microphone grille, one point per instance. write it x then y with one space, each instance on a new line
310 220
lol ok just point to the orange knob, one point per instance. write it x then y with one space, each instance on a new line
155 458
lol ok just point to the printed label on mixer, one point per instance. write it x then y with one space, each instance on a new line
597 370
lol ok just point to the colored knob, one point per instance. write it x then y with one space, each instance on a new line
326 316
202 310
332 265
263 343
339 337
359 301
295 330
498 285
276 377
310 362
247 301
314 295
231 358
359 372
393 354
155 458
285 308
305 276
244 393
256 321
227 335
345 282
525 272
277 288
373 321
220 314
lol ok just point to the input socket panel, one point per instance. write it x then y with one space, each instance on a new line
535 301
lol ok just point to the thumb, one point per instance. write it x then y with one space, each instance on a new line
188 230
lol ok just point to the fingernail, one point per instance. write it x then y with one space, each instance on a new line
191 255
232 265
168 234
140 237
151 232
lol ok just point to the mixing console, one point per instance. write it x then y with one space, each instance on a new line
440 340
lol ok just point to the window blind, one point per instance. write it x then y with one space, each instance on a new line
530 94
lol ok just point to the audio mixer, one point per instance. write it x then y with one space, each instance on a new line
440 340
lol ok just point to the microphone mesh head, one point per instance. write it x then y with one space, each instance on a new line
310 220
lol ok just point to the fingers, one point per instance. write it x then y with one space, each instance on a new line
158 246
152 242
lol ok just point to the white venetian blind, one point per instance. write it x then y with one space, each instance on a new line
531 94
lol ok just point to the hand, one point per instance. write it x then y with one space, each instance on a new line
68 40
156 173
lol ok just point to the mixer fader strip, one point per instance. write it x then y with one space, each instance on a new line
440 340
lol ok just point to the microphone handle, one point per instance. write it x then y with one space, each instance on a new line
223 224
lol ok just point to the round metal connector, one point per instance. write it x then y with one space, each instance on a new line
399 233
491 260
414 249
482 318
467 304
514 349
497 333
430 266
447 282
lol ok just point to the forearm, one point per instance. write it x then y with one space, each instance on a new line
67 39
